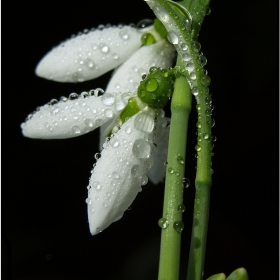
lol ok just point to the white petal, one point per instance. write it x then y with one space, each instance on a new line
128 76
88 56
157 173
120 172
71 118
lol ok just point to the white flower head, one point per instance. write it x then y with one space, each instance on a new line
134 129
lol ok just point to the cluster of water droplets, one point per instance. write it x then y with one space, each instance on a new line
121 168
75 115
90 53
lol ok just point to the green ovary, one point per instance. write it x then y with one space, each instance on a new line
157 88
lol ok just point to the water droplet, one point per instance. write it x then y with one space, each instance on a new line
212 171
77 77
186 182
214 138
162 14
184 47
76 129
89 123
128 130
115 56
198 148
178 226
208 12
181 208
144 23
123 34
195 91
114 142
144 122
192 75
163 223
208 113
203 60
96 185
190 66
170 170
205 136
109 113
90 63
136 171
206 80
108 99
198 124
186 57
180 159
197 45
73 96
144 180
63 99
98 230
151 85
103 48
97 156
115 175
88 201
148 39
141 148
172 37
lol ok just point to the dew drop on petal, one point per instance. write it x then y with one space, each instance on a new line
144 180
76 129
109 113
123 35
115 56
144 122
114 142
89 123
141 148
96 185
103 48
136 171
108 99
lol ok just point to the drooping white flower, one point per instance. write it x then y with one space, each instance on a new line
91 54
136 146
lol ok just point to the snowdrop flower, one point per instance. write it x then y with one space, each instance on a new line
134 129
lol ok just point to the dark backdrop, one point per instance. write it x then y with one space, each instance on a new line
44 222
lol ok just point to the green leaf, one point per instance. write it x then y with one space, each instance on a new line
219 276
238 274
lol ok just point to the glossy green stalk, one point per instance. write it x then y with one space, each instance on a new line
173 197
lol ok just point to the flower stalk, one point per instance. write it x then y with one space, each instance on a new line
192 64
171 222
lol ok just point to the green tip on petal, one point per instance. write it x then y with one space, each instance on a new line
219 276
160 29
239 274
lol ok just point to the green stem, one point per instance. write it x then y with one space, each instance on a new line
173 197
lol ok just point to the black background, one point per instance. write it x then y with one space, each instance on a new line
44 222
